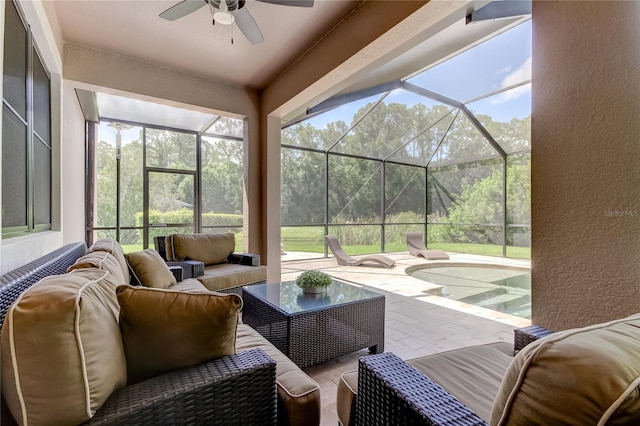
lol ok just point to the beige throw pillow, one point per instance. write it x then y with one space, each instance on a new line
578 377
62 353
150 269
165 330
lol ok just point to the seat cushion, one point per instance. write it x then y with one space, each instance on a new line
472 374
346 397
582 376
62 354
165 330
228 275
298 394
210 249
190 284
150 269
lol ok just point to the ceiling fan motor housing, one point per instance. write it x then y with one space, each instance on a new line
231 4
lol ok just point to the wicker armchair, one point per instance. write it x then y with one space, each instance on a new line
232 390
391 392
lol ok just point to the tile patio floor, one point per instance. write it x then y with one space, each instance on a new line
418 322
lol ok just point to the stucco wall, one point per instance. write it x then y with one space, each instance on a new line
72 162
585 162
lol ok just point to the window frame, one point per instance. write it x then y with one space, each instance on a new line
33 137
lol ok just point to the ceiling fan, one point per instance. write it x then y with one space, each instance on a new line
227 12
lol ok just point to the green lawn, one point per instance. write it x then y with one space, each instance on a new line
311 240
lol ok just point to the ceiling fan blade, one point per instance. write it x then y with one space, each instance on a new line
296 3
181 9
248 26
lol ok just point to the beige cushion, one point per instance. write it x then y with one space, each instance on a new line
228 275
112 246
210 249
62 353
190 284
584 376
298 394
150 269
165 330
346 398
101 260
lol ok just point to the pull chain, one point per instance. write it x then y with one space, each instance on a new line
231 33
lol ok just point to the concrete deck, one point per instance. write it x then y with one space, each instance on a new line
418 321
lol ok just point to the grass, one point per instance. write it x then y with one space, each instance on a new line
311 240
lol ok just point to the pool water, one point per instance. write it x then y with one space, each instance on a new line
503 289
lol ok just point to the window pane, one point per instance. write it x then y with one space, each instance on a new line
41 100
131 172
308 239
131 240
42 183
15 61
507 116
323 130
395 238
354 239
167 149
390 125
302 187
502 61
405 193
355 190
171 198
222 182
105 180
228 127
422 147
462 143
14 173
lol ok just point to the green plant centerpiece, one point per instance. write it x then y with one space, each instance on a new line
313 282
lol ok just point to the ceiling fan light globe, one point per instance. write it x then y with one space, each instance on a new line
224 18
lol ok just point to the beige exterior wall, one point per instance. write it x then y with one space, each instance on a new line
585 162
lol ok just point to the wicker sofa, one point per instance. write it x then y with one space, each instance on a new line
576 377
64 360
211 259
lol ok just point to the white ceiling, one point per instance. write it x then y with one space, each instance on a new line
191 44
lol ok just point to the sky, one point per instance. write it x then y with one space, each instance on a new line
502 61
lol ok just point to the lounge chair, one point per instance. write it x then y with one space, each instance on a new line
416 245
346 260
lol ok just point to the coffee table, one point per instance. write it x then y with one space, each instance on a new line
310 329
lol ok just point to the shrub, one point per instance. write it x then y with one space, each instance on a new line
313 279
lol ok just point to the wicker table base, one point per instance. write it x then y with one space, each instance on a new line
311 331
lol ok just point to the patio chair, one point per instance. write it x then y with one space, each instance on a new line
346 260
416 245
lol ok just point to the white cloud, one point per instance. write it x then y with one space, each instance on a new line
504 70
522 73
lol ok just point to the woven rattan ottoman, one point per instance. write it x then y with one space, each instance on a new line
310 329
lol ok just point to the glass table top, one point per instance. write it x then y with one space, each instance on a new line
289 297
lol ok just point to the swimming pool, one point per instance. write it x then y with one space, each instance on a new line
500 288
